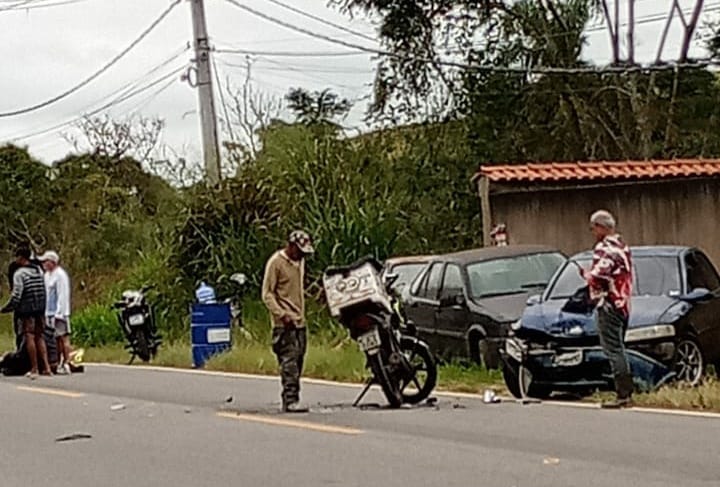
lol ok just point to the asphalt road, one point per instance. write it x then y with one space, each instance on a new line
168 428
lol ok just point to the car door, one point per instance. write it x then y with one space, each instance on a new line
452 314
705 315
423 302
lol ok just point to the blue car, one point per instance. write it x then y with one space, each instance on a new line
673 331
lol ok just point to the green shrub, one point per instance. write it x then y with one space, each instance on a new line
95 326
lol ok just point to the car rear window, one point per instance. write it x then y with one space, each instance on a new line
512 275
406 273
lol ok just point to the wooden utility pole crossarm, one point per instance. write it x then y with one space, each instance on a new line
208 118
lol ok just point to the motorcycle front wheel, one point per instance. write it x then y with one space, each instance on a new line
422 373
383 376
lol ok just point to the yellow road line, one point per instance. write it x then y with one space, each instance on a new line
323 428
52 392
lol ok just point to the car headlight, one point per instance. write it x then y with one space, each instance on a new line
516 325
514 349
650 333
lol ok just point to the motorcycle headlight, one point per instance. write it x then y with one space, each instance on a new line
650 333
516 325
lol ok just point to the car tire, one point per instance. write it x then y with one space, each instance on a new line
518 380
689 363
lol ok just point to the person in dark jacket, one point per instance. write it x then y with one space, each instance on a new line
28 302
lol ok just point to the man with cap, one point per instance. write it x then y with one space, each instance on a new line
57 311
284 295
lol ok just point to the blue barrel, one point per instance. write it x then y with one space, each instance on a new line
209 331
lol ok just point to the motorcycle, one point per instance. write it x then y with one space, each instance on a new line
400 362
137 321
233 295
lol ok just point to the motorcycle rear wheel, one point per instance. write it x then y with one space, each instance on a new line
421 362
390 386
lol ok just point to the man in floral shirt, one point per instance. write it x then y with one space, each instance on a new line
610 282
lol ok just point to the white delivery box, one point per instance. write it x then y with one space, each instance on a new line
359 285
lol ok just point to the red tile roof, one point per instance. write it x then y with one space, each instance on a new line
603 170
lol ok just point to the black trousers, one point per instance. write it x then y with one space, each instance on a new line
612 326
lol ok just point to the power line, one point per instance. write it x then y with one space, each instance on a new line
127 87
17 6
222 101
322 20
463 65
292 53
97 73
114 102
59 3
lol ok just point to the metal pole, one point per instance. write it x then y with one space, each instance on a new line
208 119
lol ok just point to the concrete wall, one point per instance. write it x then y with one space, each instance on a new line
678 212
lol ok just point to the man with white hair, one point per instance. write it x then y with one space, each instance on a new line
610 283
57 311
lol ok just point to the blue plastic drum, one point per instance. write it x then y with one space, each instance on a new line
209 331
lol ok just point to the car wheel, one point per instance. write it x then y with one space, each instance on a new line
689 361
518 380
510 371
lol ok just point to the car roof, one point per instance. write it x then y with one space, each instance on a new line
490 253
411 259
645 251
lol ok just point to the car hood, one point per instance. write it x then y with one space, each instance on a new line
505 308
548 317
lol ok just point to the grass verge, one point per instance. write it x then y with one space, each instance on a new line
342 361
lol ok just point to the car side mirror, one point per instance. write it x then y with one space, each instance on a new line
534 300
391 278
452 301
697 294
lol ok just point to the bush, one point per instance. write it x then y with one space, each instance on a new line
95 326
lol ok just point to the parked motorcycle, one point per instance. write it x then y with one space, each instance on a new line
400 363
137 321
232 292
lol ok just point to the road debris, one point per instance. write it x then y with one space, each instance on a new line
551 461
73 437
117 407
489 397
457 405
229 399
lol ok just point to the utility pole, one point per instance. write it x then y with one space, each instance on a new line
208 119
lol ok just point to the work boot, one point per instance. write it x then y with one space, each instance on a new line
295 407
624 387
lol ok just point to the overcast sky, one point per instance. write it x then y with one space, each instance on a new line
48 50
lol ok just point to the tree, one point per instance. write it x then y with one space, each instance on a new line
25 199
249 112
423 34
317 108
115 139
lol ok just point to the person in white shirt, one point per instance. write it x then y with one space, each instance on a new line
57 311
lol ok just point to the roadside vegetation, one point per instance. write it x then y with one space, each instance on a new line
124 211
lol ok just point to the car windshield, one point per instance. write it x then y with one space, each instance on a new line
512 275
653 276
406 273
